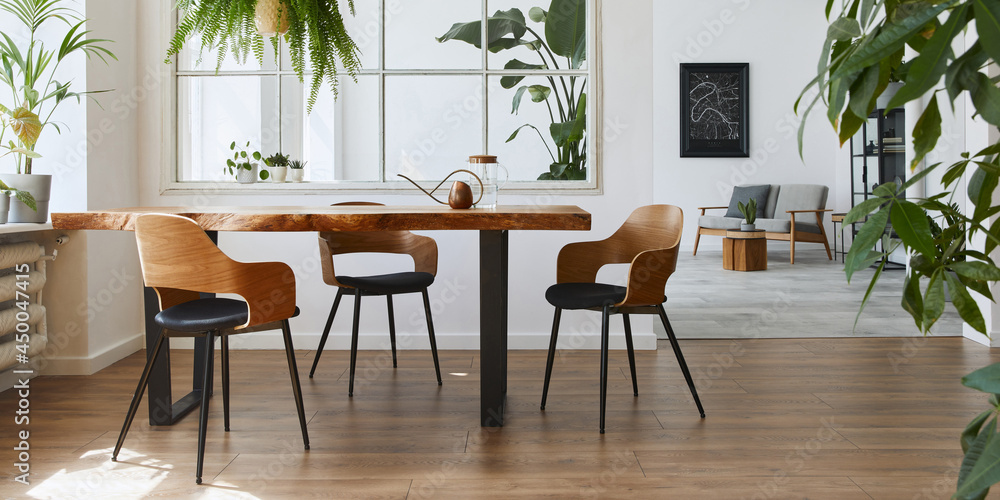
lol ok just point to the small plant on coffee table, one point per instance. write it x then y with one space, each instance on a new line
749 211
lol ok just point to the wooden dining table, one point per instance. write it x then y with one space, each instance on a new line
493 225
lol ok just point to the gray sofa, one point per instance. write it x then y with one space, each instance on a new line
793 213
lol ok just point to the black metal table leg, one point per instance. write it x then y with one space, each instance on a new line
162 409
492 326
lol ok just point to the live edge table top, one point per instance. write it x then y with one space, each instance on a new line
355 218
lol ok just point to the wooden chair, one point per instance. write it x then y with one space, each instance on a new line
649 241
179 261
422 249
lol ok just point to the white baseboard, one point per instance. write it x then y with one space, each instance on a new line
342 341
93 363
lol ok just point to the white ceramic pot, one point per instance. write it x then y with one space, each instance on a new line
296 174
4 208
40 186
244 176
278 173
748 227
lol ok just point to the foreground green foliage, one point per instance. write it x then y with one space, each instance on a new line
565 28
864 48
316 29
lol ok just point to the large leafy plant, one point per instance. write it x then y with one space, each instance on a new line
864 46
29 72
315 31
565 39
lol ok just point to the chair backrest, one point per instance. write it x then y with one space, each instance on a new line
422 249
649 240
800 197
179 260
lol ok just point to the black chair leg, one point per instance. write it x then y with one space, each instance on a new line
430 333
293 371
326 331
392 328
205 397
354 339
680 357
631 352
605 317
139 390
225 380
552 355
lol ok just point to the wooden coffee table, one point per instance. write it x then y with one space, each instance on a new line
744 251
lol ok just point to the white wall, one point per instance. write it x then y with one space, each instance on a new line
781 40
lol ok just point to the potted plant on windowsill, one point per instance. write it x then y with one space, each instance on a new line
315 33
277 166
30 73
749 211
296 170
243 165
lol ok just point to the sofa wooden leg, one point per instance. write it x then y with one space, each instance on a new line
697 238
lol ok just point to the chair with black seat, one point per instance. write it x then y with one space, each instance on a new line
422 249
649 242
179 261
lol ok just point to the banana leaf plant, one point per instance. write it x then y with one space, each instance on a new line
29 72
864 46
564 26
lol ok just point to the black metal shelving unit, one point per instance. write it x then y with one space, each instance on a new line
878 156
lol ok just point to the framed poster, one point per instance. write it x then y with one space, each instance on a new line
715 109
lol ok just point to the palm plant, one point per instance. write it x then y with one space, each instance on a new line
30 73
565 28
315 28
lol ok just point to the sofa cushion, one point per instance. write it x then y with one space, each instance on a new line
800 197
716 222
742 194
785 225
772 201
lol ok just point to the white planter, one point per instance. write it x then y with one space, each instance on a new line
278 173
4 208
244 176
40 186
296 174
748 227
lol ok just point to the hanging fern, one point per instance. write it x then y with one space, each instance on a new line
316 29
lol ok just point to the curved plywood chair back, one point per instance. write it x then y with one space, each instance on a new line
422 249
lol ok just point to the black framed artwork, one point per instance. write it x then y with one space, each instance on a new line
715 109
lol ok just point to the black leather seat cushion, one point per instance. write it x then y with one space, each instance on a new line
584 295
204 314
389 283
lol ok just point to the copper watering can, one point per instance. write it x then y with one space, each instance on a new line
460 196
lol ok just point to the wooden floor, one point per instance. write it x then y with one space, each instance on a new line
814 418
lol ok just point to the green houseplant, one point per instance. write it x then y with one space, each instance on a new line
296 170
277 166
749 211
30 74
565 39
243 165
864 47
315 32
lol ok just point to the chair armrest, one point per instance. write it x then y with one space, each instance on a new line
710 208
647 277
579 262
818 210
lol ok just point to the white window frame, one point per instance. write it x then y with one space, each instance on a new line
170 184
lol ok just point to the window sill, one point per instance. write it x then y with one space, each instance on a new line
353 187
